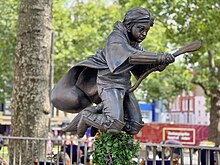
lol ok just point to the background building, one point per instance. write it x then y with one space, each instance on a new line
189 109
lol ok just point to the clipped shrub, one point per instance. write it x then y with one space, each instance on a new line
116 149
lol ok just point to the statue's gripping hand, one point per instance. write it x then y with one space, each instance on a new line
165 58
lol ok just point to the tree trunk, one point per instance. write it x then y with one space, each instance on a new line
30 98
213 132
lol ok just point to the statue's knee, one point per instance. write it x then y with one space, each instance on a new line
133 128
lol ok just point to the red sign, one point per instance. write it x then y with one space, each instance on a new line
188 134
185 135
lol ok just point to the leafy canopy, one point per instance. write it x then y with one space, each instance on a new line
8 18
80 31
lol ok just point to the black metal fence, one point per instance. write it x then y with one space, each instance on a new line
73 151
188 155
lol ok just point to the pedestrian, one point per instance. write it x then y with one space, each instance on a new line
62 156
1 142
174 149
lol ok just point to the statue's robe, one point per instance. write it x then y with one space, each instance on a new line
78 88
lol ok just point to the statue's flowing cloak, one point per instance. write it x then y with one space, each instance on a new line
78 88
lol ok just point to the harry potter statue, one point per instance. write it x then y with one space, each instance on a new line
98 89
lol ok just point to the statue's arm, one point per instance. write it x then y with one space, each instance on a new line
118 50
144 57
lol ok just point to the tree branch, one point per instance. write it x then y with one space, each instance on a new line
211 62
207 93
218 74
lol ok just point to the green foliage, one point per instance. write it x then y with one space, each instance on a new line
80 31
165 85
8 18
184 22
175 78
116 149
193 20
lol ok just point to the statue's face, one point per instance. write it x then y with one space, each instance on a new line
139 31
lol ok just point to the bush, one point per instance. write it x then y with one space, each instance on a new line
116 149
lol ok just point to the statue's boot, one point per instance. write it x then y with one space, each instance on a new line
99 121
132 128
72 127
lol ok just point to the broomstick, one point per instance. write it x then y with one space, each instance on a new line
191 47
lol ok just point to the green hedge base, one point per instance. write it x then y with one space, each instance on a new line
118 149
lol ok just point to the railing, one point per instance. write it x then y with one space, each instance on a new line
52 151
73 151
188 155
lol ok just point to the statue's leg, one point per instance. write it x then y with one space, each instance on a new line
112 117
99 121
72 127
133 118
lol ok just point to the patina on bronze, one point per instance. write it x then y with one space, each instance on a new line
99 88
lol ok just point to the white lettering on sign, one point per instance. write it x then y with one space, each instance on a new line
186 135
178 133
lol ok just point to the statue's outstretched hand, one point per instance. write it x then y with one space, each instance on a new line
169 58
165 58
160 68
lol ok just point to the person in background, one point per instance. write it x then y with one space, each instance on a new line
175 150
2 160
49 143
1 142
63 156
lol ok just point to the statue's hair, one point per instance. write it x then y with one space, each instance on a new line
138 15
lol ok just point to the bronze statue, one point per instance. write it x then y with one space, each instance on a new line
99 88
